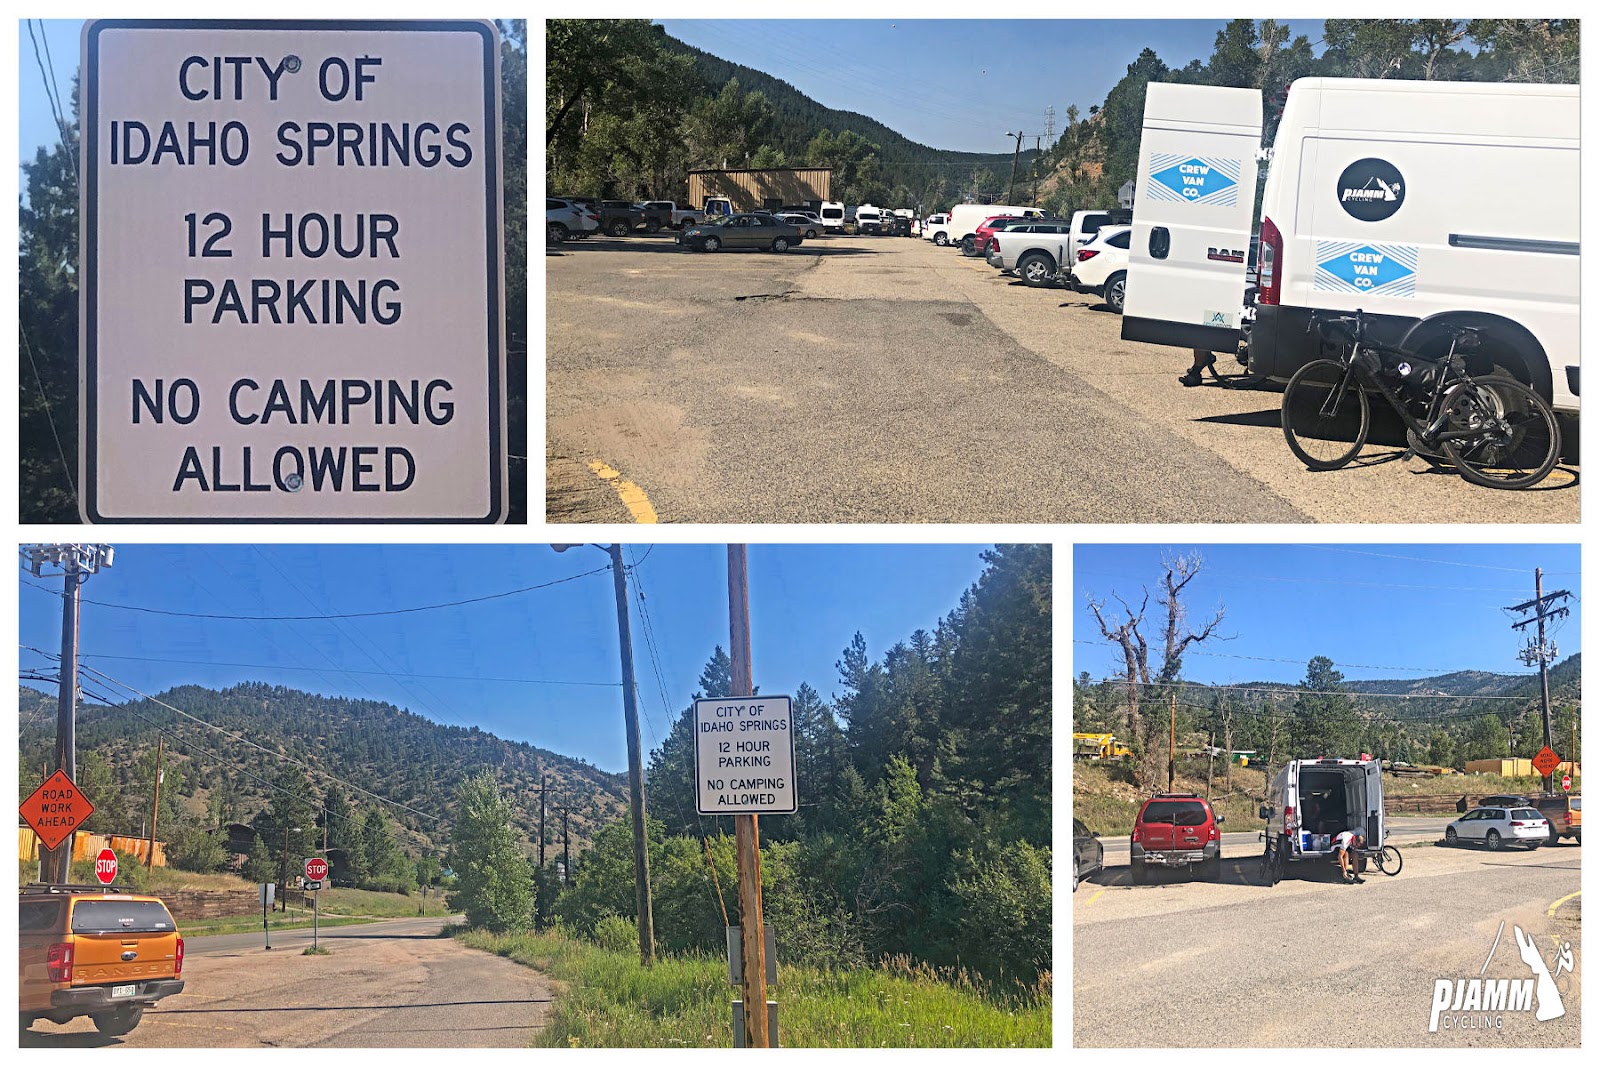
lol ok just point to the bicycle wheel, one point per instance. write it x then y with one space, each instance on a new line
1519 441
1325 415
1388 860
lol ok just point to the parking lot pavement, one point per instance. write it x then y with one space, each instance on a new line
1313 962
886 380
1248 843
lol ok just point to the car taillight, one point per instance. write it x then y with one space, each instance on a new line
177 966
1288 817
596 218
1086 254
58 962
1138 833
1212 834
1269 263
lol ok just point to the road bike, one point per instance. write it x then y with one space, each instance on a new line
1386 858
1493 430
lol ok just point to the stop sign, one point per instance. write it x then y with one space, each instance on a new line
1566 783
316 869
105 866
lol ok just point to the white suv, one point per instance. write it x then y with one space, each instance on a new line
565 218
1499 827
1102 266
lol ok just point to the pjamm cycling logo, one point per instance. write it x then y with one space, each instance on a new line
1483 1003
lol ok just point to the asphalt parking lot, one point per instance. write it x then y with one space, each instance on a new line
1313 962
875 379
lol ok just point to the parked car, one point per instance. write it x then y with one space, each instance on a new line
1564 812
979 246
897 226
99 951
741 231
1505 800
809 227
1176 830
936 228
1498 827
619 218
675 215
869 220
1088 855
1101 267
1036 250
566 218
966 218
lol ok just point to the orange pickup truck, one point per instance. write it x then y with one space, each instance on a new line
99 951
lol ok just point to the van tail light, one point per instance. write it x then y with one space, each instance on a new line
58 962
1269 264
1288 818
177 966
1086 254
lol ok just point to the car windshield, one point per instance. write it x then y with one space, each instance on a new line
1525 813
128 916
1175 812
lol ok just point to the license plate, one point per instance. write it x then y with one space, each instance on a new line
123 990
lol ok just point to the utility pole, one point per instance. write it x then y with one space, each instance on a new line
1012 188
1172 744
630 707
1539 650
77 562
544 784
630 710
566 852
1211 761
1036 152
155 806
747 835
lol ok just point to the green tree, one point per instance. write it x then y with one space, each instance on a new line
259 865
196 848
1325 722
494 883
1488 739
96 782
1005 900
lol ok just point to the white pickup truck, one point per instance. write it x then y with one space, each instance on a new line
671 214
1036 251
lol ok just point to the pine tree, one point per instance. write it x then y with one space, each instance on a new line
258 865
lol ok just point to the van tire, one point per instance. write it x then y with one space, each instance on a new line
119 1022
1139 876
1491 841
969 246
1037 269
1117 291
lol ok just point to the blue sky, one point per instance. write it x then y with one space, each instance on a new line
806 601
1437 609
957 84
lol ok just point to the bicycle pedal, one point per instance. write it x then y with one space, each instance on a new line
1411 453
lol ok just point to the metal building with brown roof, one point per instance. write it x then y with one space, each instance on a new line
768 190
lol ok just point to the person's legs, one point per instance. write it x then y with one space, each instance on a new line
1203 361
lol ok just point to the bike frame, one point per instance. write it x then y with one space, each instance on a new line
1432 432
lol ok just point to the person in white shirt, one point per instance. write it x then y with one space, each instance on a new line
1345 845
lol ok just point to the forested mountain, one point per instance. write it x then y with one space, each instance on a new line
213 779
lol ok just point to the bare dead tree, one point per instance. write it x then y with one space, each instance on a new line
1123 630
1227 742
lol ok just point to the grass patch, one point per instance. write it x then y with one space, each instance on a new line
317 951
609 1000
382 905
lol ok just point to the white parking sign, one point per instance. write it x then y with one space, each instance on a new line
292 297
744 756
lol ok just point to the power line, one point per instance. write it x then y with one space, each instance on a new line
1419 559
49 414
346 670
341 615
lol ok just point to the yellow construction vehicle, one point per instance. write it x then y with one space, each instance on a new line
1099 746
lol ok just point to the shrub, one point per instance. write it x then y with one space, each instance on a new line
617 934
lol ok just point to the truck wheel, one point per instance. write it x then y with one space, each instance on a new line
1036 269
1138 872
1116 291
652 227
711 244
618 228
119 1022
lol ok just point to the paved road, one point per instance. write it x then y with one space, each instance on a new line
1312 962
886 380
1247 843
394 984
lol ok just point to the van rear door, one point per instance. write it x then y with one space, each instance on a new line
1374 803
1193 206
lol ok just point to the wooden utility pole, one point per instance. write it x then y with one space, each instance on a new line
1012 188
746 833
1227 743
630 708
544 784
566 848
155 805
1539 650
1211 761
1172 744
67 709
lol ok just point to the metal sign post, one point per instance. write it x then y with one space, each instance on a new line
267 889
292 287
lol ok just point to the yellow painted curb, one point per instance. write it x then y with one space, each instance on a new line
1551 911
633 498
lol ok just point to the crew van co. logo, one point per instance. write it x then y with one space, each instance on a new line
1371 190
1363 269
1180 178
1483 1003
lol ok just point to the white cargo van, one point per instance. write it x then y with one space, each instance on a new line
1420 203
1311 800
966 218
832 215
869 219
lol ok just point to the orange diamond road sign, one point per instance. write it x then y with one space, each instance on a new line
56 809
1546 761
